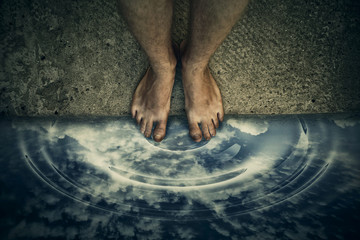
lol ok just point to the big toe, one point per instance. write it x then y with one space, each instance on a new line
148 129
195 132
160 131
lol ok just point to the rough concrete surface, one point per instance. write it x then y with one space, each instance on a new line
76 58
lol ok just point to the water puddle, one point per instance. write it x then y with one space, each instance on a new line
250 164
260 177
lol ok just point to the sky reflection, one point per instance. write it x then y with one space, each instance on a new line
256 168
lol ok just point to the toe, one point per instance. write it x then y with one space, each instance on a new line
205 130
148 129
138 118
143 126
221 115
212 129
195 131
160 130
133 112
215 121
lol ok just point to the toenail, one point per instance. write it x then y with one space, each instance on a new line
196 136
157 137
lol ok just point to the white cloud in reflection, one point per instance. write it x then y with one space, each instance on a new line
250 126
220 230
346 123
345 120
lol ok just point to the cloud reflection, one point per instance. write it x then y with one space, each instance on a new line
249 165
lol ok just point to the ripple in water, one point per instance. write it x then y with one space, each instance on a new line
252 163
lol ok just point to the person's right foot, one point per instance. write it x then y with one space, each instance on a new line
151 100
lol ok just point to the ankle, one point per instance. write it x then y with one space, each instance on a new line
192 65
164 64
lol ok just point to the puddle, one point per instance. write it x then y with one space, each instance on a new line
253 165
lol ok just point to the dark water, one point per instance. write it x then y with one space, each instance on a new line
290 177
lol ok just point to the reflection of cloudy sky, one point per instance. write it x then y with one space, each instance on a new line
90 151
134 161
105 162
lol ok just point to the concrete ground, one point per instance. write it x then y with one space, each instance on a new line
77 58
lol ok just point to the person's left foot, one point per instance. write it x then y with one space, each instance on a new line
203 102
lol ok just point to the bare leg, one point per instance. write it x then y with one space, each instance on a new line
211 21
150 22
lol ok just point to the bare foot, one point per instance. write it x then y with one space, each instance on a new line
151 100
203 103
